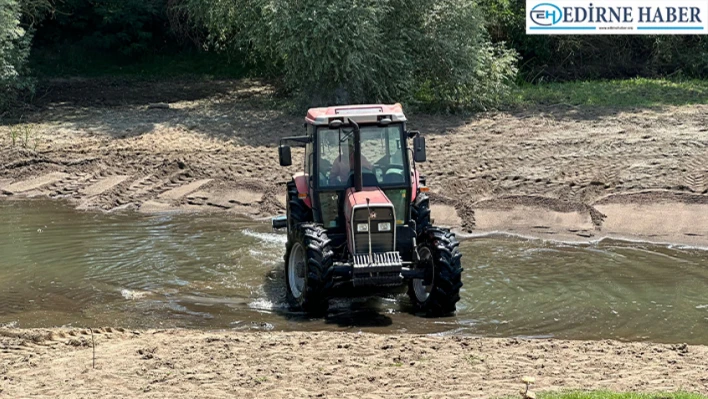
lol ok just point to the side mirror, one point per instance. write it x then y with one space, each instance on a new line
419 149
284 154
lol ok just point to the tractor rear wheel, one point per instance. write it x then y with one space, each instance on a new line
297 211
309 268
439 292
420 213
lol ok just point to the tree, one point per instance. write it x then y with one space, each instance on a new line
335 51
14 50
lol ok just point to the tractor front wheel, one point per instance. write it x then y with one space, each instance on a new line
309 268
438 293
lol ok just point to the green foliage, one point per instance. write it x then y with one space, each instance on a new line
338 51
458 65
440 55
14 50
185 64
680 56
577 57
638 92
130 28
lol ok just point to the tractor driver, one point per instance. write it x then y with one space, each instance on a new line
344 165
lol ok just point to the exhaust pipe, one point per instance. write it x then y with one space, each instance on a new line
358 179
368 220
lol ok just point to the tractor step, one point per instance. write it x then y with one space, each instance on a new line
380 269
280 222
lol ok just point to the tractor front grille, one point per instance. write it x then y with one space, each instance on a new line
381 261
381 241
379 269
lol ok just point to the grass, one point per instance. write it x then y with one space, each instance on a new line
637 92
615 395
24 135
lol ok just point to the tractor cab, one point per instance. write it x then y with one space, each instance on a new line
338 140
358 215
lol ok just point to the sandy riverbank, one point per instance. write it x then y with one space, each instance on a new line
563 173
187 364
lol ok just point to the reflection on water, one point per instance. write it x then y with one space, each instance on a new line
63 267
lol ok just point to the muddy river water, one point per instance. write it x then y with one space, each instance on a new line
61 267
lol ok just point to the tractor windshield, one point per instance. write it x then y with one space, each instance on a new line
384 164
382 156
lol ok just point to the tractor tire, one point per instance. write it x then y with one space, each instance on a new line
420 213
439 249
297 211
310 250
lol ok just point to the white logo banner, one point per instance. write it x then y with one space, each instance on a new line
616 17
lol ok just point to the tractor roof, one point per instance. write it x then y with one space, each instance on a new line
360 113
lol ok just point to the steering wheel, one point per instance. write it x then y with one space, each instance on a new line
363 171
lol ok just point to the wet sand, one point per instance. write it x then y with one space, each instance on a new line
187 364
563 173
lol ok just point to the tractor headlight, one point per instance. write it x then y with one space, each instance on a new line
362 227
385 226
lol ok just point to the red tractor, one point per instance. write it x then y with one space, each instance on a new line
358 216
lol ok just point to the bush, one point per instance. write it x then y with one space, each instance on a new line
455 61
337 52
341 51
14 50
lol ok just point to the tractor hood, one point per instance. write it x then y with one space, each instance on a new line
375 196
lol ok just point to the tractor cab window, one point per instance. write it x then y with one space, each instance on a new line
389 167
382 157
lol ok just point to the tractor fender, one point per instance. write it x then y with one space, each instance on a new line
301 180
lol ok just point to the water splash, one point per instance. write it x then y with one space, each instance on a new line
132 294
271 239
